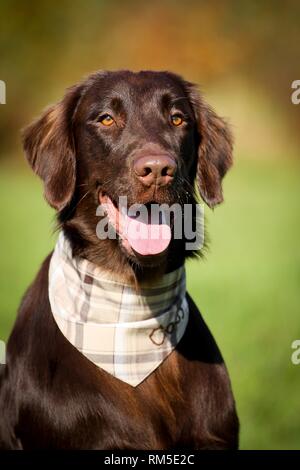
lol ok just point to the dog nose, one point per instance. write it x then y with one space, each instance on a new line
158 170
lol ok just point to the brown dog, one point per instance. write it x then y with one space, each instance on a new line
147 136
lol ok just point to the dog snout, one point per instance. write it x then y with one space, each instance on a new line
158 170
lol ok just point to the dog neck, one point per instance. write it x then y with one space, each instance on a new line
126 331
108 255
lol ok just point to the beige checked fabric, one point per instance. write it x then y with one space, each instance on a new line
125 331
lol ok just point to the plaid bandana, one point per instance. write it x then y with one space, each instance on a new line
125 331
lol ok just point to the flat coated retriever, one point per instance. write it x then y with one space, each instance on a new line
148 136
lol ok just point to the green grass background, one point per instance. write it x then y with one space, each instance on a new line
247 288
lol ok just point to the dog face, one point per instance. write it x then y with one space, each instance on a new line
146 136
137 132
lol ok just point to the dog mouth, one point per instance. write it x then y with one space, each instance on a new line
143 229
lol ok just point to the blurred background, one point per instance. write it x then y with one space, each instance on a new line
244 56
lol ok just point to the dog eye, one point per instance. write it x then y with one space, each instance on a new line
176 120
106 120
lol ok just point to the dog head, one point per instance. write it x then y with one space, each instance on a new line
146 136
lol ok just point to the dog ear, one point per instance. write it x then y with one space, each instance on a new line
49 146
215 144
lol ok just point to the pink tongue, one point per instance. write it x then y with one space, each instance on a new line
145 239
